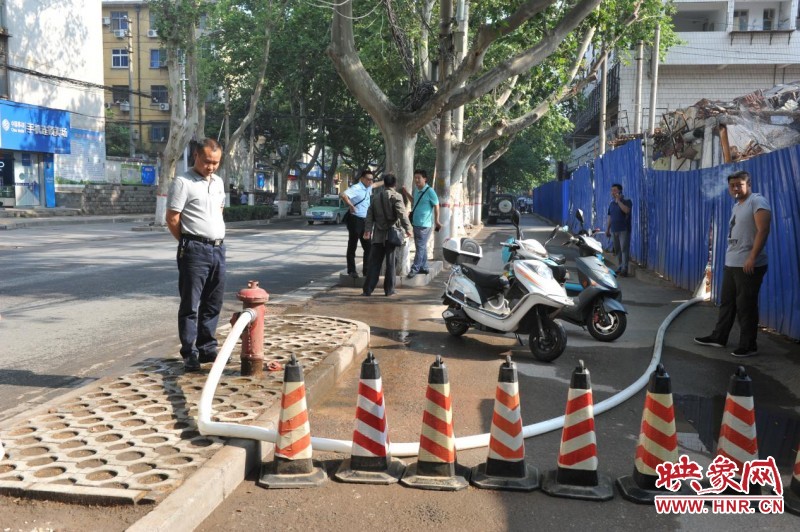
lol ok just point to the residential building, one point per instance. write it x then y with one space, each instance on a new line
51 99
134 65
729 49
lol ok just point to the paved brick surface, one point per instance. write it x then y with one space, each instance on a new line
134 439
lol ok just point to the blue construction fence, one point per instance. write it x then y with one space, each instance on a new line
680 217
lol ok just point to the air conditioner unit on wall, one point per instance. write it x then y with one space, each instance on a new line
152 33
120 34
163 107
106 21
125 107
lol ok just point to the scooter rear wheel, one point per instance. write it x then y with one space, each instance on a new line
456 327
551 344
606 326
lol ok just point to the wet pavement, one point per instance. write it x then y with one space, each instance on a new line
406 333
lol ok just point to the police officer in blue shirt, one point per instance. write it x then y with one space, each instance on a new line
357 198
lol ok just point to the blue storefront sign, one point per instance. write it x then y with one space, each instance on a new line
148 175
33 129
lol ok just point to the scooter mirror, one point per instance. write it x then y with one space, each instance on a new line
579 215
515 217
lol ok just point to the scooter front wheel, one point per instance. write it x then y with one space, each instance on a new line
551 344
606 326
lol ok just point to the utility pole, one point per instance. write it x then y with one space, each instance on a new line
130 87
654 82
603 100
637 101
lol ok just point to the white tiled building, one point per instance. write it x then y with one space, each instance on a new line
729 49
51 97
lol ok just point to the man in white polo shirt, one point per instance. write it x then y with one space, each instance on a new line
194 217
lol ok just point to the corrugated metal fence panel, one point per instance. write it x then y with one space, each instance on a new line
676 214
625 166
774 175
676 234
551 199
581 194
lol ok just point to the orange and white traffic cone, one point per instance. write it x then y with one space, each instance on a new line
370 461
436 467
737 435
292 466
791 497
505 467
576 476
658 441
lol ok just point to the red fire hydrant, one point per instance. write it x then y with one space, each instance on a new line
254 298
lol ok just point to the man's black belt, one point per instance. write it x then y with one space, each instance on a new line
211 242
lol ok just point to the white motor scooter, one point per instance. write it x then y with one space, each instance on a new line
597 296
521 300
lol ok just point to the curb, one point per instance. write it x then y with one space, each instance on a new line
191 503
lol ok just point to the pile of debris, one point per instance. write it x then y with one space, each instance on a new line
756 123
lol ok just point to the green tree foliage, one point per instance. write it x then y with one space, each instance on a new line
117 137
530 158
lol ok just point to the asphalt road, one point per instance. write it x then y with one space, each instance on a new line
79 302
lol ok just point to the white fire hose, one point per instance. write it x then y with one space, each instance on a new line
234 430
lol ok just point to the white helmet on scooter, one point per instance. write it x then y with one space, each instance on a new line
464 251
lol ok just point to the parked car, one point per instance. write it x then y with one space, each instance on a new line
330 210
500 208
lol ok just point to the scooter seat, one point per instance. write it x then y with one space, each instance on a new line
559 272
487 283
558 259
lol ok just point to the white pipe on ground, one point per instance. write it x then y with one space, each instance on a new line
233 430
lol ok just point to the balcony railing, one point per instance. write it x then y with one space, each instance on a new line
592 109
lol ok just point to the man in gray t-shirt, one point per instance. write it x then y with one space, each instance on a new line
745 266
194 217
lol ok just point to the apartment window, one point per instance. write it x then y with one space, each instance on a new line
769 19
159 93
119 20
153 20
119 58
158 58
120 93
740 20
159 132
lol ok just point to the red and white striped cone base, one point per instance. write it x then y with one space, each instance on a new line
292 467
791 496
576 476
436 467
370 461
737 435
505 466
658 442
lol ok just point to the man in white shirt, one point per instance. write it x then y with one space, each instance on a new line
194 217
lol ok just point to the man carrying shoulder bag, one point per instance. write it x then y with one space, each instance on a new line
386 212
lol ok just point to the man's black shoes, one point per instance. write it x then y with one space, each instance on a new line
709 341
205 358
191 364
